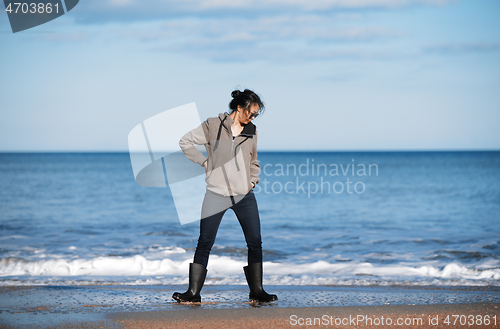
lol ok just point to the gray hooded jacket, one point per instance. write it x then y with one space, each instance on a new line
232 164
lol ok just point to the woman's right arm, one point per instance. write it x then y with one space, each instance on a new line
196 136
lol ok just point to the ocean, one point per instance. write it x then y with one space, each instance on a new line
327 218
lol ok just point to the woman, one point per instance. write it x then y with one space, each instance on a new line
232 171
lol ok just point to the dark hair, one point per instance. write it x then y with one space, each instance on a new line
245 99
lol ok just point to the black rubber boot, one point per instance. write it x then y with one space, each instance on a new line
197 274
253 273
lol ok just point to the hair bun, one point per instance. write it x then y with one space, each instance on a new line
235 93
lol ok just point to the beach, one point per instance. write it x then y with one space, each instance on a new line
402 316
226 306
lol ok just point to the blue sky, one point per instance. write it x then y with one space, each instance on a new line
334 74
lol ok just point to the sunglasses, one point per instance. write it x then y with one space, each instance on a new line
253 115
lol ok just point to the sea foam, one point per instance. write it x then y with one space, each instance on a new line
226 270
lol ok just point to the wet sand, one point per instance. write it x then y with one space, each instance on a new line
227 307
401 316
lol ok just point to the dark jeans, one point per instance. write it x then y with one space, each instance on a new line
248 215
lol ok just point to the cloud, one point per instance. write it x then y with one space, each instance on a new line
248 52
283 37
102 11
275 29
252 30
462 48
66 37
331 4
122 3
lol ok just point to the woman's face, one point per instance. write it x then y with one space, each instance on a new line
247 115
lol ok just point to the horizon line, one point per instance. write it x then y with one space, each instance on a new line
265 151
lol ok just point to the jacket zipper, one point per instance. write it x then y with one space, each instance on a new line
230 163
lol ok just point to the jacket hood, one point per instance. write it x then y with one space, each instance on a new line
248 130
